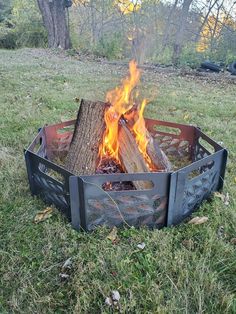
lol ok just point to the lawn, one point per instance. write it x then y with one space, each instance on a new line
186 269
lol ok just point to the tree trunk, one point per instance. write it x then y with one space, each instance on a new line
168 25
214 31
55 21
93 22
179 38
211 6
89 128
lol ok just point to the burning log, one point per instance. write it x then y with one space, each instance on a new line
130 156
132 159
113 137
88 134
89 127
159 160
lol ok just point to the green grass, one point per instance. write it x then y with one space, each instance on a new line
186 269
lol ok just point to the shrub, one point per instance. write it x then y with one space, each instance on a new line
8 37
23 28
109 46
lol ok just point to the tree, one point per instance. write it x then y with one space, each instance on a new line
56 22
179 38
168 24
5 9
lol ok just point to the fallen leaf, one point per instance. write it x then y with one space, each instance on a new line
64 276
141 246
115 295
189 244
172 109
221 232
67 264
187 117
219 195
234 179
77 99
224 198
198 220
112 236
108 301
233 241
43 215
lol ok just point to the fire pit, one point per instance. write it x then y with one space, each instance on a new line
114 167
172 197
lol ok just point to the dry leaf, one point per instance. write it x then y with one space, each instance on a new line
224 198
219 195
189 244
113 235
221 232
234 179
43 214
115 295
67 264
172 109
108 301
141 246
64 276
113 300
233 241
198 220
187 117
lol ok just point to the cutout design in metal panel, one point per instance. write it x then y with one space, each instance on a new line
173 146
196 192
137 210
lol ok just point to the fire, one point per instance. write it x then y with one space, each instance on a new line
122 100
139 130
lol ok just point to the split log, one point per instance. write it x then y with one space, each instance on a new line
130 156
157 156
89 128
133 161
159 159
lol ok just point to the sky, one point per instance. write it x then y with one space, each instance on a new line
227 4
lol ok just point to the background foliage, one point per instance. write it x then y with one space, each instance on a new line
21 25
145 30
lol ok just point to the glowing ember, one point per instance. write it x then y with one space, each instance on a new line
122 100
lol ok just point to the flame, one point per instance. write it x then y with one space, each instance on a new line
139 130
121 100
